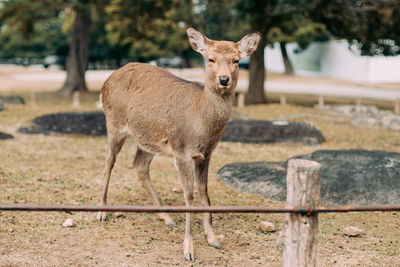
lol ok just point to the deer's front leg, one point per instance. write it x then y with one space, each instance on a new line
201 176
185 170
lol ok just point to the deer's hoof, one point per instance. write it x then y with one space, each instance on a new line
101 216
215 244
189 256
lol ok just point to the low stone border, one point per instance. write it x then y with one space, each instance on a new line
5 136
349 177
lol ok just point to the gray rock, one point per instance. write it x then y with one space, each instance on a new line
69 223
267 227
256 131
12 99
238 116
4 136
368 116
352 231
86 123
349 177
1 107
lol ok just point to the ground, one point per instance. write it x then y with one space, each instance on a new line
66 169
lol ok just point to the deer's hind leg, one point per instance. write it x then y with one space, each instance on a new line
141 164
115 142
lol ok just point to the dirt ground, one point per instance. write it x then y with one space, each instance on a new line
66 169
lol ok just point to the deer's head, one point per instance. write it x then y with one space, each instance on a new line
222 58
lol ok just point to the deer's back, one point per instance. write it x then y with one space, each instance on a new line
161 110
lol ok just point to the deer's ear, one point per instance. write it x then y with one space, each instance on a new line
249 44
197 40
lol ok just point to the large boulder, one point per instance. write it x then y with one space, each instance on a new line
349 177
256 131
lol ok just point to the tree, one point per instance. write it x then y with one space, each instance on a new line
139 26
296 28
220 20
263 16
373 27
31 30
24 18
78 55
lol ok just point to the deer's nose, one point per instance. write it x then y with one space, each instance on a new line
223 80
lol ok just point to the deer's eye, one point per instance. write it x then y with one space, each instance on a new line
211 60
235 61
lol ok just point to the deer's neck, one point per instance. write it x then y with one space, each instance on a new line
217 106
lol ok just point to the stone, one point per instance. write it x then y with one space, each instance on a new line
267 227
12 99
349 177
238 116
257 131
368 116
177 190
86 123
352 231
4 136
1 107
68 223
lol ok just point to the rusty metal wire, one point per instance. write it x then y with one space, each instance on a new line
197 209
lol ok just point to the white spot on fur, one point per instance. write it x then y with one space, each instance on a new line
99 104
125 130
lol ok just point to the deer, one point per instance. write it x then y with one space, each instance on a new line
172 116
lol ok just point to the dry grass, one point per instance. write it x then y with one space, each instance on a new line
67 169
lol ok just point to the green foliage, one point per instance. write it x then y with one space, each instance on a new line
371 26
31 29
221 20
138 25
297 28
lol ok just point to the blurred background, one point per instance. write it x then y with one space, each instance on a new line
354 41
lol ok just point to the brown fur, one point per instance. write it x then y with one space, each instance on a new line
172 116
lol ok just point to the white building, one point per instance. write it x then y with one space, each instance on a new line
335 59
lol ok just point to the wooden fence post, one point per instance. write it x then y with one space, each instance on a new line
397 106
321 102
298 238
241 99
283 100
33 99
76 99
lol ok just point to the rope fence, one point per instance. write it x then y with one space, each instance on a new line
197 209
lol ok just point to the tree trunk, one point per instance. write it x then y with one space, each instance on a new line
286 61
186 62
77 60
185 56
255 93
